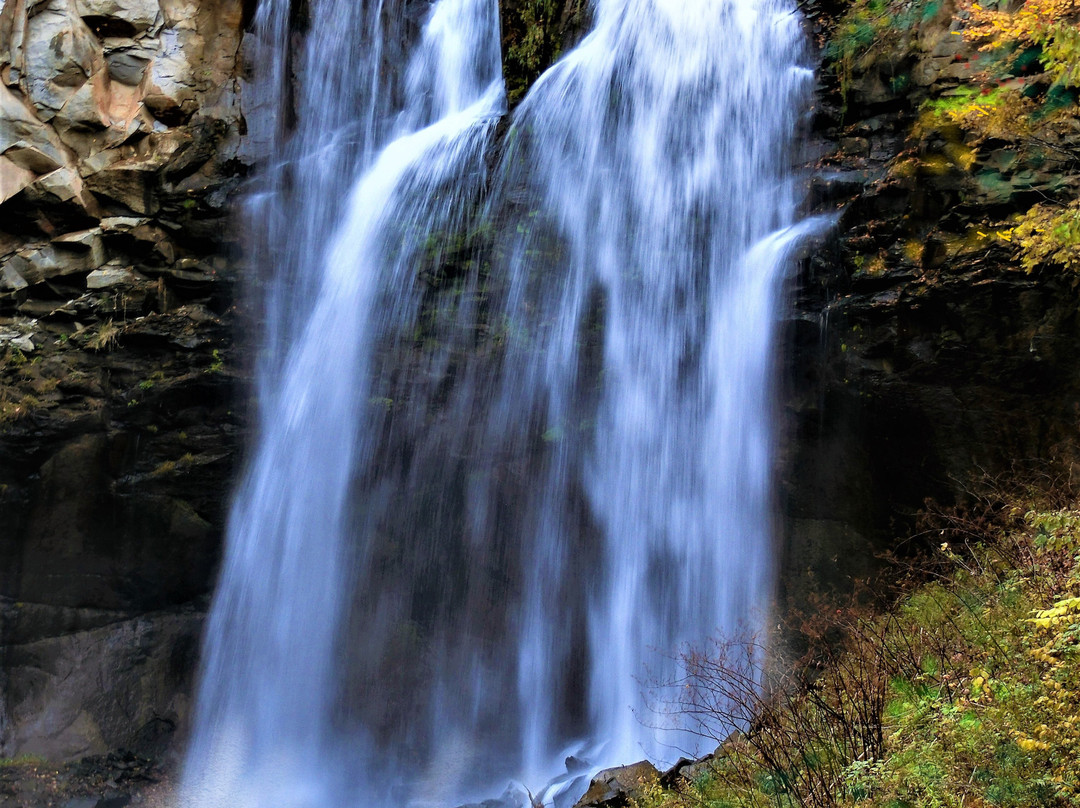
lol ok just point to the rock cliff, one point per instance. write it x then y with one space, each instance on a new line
920 353
121 143
923 354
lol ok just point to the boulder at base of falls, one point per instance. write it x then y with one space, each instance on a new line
614 788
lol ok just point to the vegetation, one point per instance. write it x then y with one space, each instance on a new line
14 410
1049 234
16 404
965 693
534 34
1039 31
105 338
866 27
1029 97
1028 71
1007 117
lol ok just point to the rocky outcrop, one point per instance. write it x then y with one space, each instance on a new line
80 681
622 786
120 146
922 356
534 34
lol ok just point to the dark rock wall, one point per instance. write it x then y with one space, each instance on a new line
121 144
921 356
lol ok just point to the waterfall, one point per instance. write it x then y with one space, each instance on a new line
515 398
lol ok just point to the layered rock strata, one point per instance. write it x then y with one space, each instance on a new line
121 145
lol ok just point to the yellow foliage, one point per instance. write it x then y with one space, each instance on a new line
1059 613
1049 234
991 112
1049 24
1031 745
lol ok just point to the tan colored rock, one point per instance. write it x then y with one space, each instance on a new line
961 71
124 106
103 114
171 96
84 252
13 178
10 280
158 238
61 53
16 119
132 183
21 129
927 71
83 237
17 265
109 277
37 264
617 786
88 107
120 224
195 66
12 34
87 242
32 158
141 15
100 160
64 183
164 145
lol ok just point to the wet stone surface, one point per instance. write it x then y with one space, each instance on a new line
108 781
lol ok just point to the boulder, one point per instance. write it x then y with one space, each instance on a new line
170 81
121 224
44 262
127 59
614 788
36 264
109 277
13 178
61 53
20 129
88 107
10 280
132 183
86 242
32 157
141 16
64 184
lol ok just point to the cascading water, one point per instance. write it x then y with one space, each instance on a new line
514 447
659 153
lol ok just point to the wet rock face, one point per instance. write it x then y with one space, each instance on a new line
535 33
921 355
120 149
114 468
622 786
84 681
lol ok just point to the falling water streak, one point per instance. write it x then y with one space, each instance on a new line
264 730
424 599
658 150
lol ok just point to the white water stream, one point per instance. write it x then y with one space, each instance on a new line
515 439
